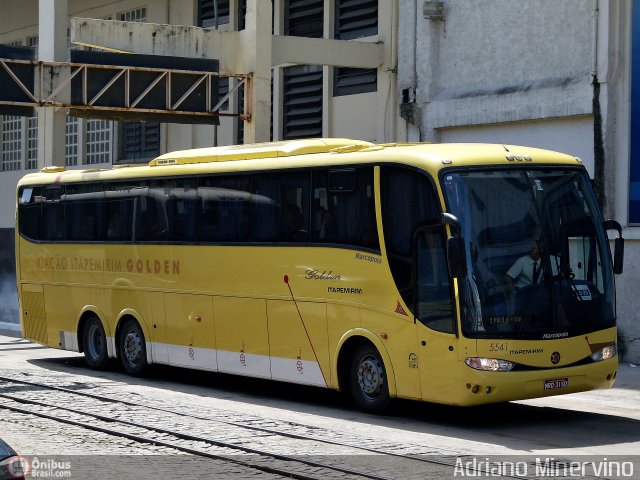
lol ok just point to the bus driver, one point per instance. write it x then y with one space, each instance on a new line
526 270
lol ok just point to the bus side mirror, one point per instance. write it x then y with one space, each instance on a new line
456 253
618 246
456 257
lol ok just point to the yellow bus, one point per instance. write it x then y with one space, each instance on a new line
460 274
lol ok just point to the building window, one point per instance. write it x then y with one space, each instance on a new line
136 15
140 141
71 144
32 143
349 81
212 13
11 143
242 14
33 42
99 141
304 18
302 102
355 19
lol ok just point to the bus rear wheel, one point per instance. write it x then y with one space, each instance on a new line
132 349
94 342
368 380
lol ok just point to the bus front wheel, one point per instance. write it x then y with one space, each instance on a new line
94 342
132 349
369 387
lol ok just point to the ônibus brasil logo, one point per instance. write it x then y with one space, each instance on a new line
18 467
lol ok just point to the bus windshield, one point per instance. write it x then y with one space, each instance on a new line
537 255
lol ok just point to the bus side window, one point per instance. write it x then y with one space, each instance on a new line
179 200
433 291
408 200
280 207
151 222
343 209
119 208
30 207
52 226
83 210
223 208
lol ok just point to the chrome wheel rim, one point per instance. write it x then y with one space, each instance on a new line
133 347
96 342
370 376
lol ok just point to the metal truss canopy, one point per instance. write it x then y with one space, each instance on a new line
121 92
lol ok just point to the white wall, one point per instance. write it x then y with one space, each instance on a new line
497 61
572 135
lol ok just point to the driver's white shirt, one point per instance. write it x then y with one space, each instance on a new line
522 271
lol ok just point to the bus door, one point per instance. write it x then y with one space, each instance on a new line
434 315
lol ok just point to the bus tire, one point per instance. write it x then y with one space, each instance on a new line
368 380
94 342
132 348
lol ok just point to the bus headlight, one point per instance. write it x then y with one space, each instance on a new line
490 364
604 354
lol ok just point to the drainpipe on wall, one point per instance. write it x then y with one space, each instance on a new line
598 140
408 108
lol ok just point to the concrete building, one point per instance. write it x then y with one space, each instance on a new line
542 73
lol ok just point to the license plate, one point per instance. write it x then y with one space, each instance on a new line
553 383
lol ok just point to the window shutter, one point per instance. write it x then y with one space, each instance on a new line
304 18
356 18
302 116
349 81
140 141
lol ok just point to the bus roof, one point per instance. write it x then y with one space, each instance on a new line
308 153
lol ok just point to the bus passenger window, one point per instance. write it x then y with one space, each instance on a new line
83 204
52 226
223 208
119 207
177 202
343 208
29 210
151 222
280 207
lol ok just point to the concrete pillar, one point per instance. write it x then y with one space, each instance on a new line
53 19
256 46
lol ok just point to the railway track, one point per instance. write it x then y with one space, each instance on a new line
253 446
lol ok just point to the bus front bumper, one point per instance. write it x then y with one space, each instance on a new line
480 387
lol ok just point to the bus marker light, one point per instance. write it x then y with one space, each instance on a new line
475 389
384 335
